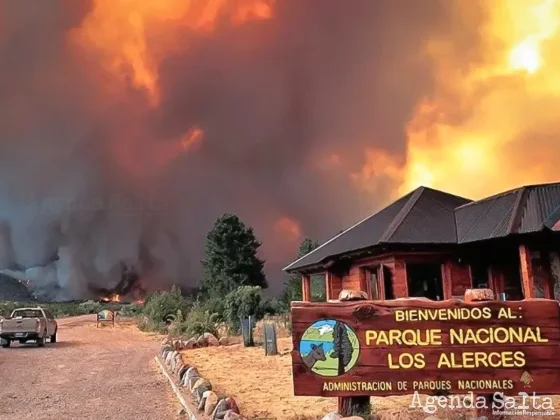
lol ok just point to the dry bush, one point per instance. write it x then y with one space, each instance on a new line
282 323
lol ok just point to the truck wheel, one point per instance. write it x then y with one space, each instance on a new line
53 337
7 344
41 341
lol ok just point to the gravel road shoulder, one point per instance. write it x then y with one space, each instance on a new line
91 373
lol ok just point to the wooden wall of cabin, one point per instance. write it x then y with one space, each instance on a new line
499 266
392 272
456 278
519 270
400 281
352 279
388 269
334 284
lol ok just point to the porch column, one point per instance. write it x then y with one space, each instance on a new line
496 280
400 283
547 278
526 269
446 280
381 282
306 288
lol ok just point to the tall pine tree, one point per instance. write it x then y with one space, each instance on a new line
292 288
231 258
342 348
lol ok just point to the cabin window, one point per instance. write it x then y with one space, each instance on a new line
424 280
318 288
388 283
374 284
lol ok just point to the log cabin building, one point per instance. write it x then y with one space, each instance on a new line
436 245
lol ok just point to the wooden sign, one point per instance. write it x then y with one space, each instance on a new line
383 348
106 316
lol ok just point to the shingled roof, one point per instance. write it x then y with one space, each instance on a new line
519 211
428 216
424 216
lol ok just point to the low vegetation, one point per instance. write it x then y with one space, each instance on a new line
231 288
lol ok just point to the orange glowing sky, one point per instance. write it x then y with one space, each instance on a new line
471 136
511 95
118 30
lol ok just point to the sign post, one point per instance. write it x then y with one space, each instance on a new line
484 295
270 342
409 347
247 331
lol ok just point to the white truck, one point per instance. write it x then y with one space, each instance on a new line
28 324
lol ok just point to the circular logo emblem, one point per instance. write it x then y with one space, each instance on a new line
329 347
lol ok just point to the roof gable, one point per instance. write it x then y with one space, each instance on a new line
428 216
362 234
430 220
422 216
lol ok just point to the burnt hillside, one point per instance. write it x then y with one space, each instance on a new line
13 290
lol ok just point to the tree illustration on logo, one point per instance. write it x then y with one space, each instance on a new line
342 349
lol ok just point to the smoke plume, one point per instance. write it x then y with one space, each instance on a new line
127 127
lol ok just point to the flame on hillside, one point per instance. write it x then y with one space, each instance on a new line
111 298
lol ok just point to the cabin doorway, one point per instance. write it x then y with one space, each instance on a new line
381 283
479 275
425 280
374 288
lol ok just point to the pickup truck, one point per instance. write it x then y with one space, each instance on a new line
28 324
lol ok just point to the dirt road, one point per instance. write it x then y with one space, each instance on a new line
90 373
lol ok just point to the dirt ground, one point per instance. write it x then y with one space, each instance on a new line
262 386
91 373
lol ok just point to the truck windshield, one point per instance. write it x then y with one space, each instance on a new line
27 313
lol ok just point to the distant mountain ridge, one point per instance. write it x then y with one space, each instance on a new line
13 290
319 334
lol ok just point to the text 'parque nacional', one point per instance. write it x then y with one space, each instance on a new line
400 347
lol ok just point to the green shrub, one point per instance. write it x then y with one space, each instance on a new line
144 324
131 310
272 306
216 306
161 305
243 302
197 322
90 307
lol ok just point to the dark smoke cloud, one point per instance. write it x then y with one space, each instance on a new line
274 97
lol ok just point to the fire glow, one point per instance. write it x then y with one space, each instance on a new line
118 30
115 298
507 95
278 111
